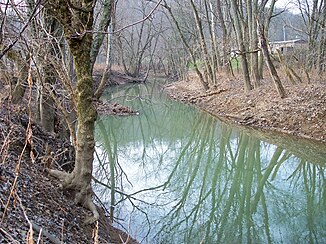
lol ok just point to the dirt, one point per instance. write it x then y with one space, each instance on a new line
31 202
302 113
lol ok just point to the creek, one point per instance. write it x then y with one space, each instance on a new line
182 176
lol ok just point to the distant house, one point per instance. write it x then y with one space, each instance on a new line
287 46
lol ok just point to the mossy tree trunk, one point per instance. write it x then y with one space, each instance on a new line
47 105
76 18
105 20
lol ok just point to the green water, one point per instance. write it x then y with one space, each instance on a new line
182 176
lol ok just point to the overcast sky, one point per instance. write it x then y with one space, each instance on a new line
289 4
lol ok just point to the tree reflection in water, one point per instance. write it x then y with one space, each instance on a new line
195 179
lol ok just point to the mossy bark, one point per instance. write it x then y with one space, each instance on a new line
76 18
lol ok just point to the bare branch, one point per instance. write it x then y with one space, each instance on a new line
142 20
34 13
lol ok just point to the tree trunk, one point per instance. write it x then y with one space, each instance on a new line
254 42
208 67
277 82
77 21
21 84
46 105
241 46
103 26
189 49
225 42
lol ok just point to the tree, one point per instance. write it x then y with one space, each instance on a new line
76 18
239 30
187 46
209 72
277 82
136 43
314 17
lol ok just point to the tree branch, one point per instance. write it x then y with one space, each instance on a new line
34 13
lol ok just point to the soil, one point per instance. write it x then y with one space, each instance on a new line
302 113
31 202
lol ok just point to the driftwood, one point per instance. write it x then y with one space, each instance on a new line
119 78
212 93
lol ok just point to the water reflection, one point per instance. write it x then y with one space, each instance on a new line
180 176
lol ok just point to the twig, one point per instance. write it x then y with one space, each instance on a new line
22 30
30 231
46 234
6 143
95 234
126 241
132 24
11 239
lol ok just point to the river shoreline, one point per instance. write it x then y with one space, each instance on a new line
302 114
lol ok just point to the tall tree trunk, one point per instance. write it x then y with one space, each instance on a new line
105 20
241 45
277 82
208 67
108 61
77 21
47 112
254 42
189 49
322 44
46 105
267 20
215 56
225 43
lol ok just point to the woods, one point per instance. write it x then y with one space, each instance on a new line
64 53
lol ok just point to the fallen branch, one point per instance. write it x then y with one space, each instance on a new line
211 93
8 237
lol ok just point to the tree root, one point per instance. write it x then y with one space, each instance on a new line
91 206
59 174
83 193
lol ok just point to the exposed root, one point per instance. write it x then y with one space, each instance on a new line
58 174
83 193
91 206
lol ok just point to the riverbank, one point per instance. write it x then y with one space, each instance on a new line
37 197
32 206
302 113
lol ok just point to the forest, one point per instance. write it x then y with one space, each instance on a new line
255 63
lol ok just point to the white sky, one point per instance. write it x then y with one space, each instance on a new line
289 4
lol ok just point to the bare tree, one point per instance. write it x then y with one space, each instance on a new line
239 30
314 16
209 72
202 79
136 42
277 82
